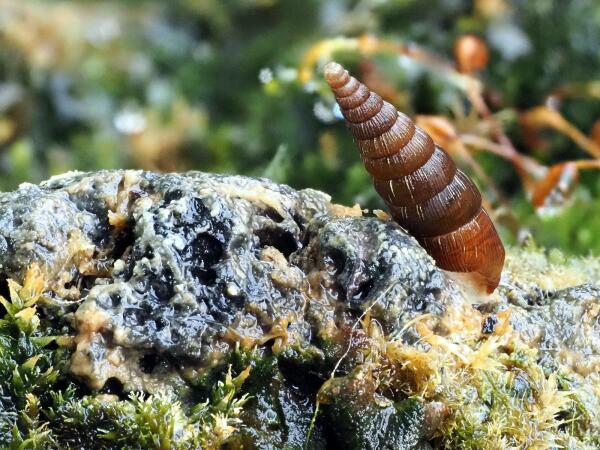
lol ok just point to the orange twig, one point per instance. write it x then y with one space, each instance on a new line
528 164
544 116
588 89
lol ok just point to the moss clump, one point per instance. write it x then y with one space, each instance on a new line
27 368
494 393
158 421
441 385
41 408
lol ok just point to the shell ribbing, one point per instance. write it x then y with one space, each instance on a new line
420 183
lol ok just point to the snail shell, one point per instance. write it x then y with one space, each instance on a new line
425 192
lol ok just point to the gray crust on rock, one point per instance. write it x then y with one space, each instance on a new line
171 272
163 276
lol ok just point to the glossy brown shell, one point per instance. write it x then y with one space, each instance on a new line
425 192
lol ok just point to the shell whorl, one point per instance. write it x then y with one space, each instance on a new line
425 192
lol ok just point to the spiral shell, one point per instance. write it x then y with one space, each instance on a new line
425 192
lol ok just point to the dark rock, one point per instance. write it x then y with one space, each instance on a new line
174 271
166 280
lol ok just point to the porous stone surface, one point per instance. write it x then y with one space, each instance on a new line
161 278
167 274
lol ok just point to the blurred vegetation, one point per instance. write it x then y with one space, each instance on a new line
234 86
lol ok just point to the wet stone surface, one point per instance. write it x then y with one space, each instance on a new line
566 324
165 281
167 274
370 263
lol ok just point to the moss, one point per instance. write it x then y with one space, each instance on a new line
497 394
27 368
533 267
450 390
159 421
41 408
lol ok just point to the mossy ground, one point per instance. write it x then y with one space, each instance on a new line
486 391
548 270
42 408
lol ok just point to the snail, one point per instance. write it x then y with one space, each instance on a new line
425 192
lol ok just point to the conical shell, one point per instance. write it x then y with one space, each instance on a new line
424 191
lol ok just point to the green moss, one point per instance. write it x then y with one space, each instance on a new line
486 393
534 267
41 408
158 421
27 368
497 394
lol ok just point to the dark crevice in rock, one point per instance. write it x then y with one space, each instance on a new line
116 299
4 292
83 283
148 362
100 234
174 194
281 239
112 386
363 290
334 261
300 221
273 215
206 277
204 251
123 241
161 285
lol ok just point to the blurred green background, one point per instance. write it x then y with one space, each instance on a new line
214 85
